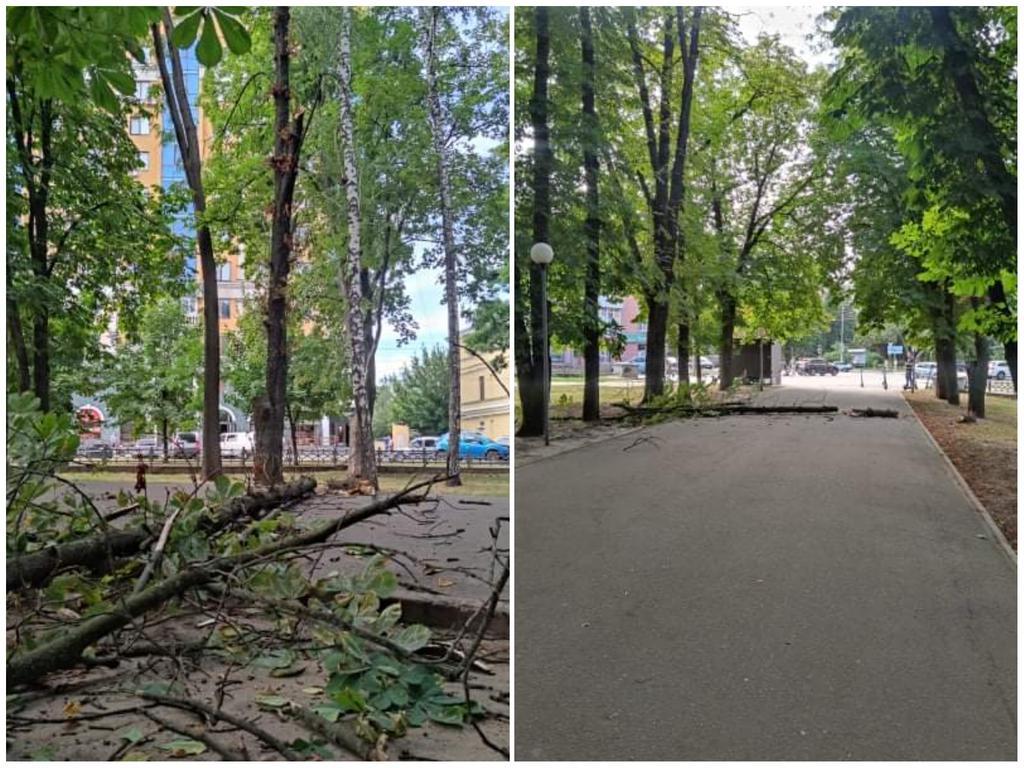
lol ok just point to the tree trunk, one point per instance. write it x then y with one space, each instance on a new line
657 331
997 297
592 231
697 370
977 374
163 430
17 337
683 357
530 347
187 136
451 295
295 440
728 307
362 463
287 144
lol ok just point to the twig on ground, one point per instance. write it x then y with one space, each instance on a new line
197 734
217 714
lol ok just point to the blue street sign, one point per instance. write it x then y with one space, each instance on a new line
895 349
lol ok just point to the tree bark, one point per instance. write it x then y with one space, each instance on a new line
530 347
187 136
725 344
362 463
269 468
592 231
17 337
977 374
451 295
683 357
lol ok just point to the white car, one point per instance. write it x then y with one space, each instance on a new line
998 369
925 371
236 444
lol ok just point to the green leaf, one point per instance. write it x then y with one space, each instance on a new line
235 35
185 30
270 701
412 638
209 51
131 735
183 747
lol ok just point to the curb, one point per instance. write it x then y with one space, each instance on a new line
446 613
229 469
997 534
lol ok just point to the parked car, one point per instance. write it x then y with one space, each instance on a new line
186 445
998 369
94 448
236 445
148 447
638 364
843 367
475 445
818 366
925 370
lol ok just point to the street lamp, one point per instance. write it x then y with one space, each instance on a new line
541 255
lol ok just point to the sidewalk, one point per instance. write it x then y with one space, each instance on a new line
761 587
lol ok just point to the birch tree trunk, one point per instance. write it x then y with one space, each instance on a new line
429 34
362 462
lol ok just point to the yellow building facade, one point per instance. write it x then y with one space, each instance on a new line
161 165
484 404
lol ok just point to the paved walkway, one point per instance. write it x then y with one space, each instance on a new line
761 587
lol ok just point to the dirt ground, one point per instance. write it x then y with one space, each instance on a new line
985 452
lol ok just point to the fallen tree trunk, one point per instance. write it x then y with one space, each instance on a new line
65 650
876 413
720 409
96 552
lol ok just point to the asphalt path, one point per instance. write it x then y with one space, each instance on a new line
761 587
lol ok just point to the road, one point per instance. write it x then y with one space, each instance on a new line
761 587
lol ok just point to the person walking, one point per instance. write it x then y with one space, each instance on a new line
911 383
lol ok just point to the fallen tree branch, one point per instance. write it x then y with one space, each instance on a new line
720 409
878 413
197 734
65 649
341 733
93 552
217 714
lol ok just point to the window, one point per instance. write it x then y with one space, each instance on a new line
188 305
139 125
224 271
482 390
144 160
225 309
142 89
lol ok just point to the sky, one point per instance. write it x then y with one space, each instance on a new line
793 24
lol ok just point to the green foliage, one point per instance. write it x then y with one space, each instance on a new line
154 380
38 445
216 24
420 392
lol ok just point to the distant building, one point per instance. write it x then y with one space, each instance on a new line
484 405
618 315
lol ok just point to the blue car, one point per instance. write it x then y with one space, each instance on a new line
475 445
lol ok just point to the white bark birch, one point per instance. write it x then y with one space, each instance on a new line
362 464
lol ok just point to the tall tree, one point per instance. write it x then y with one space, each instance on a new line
531 347
176 95
592 229
362 464
667 167
288 136
429 20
